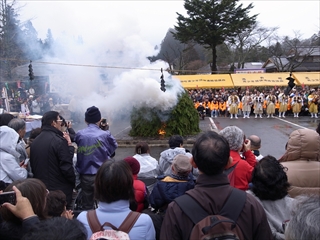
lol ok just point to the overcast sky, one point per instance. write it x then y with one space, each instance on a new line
150 20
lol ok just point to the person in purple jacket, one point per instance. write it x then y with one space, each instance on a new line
95 146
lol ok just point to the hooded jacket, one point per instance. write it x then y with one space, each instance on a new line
9 168
166 158
302 158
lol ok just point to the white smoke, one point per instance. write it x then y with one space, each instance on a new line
129 79
114 34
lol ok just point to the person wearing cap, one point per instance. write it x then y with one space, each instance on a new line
140 189
174 185
95 146
313 101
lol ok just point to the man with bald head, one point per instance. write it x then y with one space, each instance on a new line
255 146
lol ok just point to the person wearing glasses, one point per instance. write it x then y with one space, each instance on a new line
51 155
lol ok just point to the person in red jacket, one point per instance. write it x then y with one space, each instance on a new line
140 189
243 165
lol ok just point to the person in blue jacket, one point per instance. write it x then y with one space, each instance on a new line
95 146
173 185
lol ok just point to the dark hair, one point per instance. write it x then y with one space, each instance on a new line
142 147
57 228
175 141
318 128
35 191
269 179
34 133
49 117
5 118
56 203
113 182
211 153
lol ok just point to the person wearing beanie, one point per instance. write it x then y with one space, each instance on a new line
140 189
167 188
95 146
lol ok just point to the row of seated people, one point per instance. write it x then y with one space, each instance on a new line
115 183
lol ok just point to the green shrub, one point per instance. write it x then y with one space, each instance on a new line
183 119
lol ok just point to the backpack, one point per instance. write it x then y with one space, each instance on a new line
222 225
230 173
98 231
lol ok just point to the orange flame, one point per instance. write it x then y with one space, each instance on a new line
162 131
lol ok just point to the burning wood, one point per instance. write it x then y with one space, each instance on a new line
162 131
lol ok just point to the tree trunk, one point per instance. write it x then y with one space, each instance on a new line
214 60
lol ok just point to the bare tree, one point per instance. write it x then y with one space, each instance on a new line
247 41
289 54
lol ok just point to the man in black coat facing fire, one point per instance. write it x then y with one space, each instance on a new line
51 155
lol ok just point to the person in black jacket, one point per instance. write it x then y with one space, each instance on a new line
51 155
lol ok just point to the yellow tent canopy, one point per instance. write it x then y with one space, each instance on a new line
205 81
261 79
308 78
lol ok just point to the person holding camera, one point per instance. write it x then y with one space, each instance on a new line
243 167
95 146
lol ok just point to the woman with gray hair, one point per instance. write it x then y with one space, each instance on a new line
19 126
304 222
241 168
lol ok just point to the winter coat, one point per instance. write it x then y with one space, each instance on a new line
166 158
115 213
95 146
148 167
302 158
243 170
51 161
140 193
277 212
212 192
9 158
167 189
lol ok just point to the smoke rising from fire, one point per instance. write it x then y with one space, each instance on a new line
116 86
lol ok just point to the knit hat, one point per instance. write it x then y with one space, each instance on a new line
134 164
181 164
92 115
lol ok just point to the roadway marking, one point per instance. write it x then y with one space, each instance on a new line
121 131
286 121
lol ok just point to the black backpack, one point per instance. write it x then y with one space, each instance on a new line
222 225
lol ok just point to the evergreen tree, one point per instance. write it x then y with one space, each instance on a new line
29 43
10 52
183 119
48 44
212 22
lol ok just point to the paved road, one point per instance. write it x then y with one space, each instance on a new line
274 132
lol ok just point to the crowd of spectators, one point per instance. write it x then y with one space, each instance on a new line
280 194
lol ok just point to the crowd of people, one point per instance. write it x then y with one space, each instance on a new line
224 176
269 103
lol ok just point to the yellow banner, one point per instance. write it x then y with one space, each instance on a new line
308 78
205 81
261 79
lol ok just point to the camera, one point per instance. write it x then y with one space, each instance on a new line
104 124
9 197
